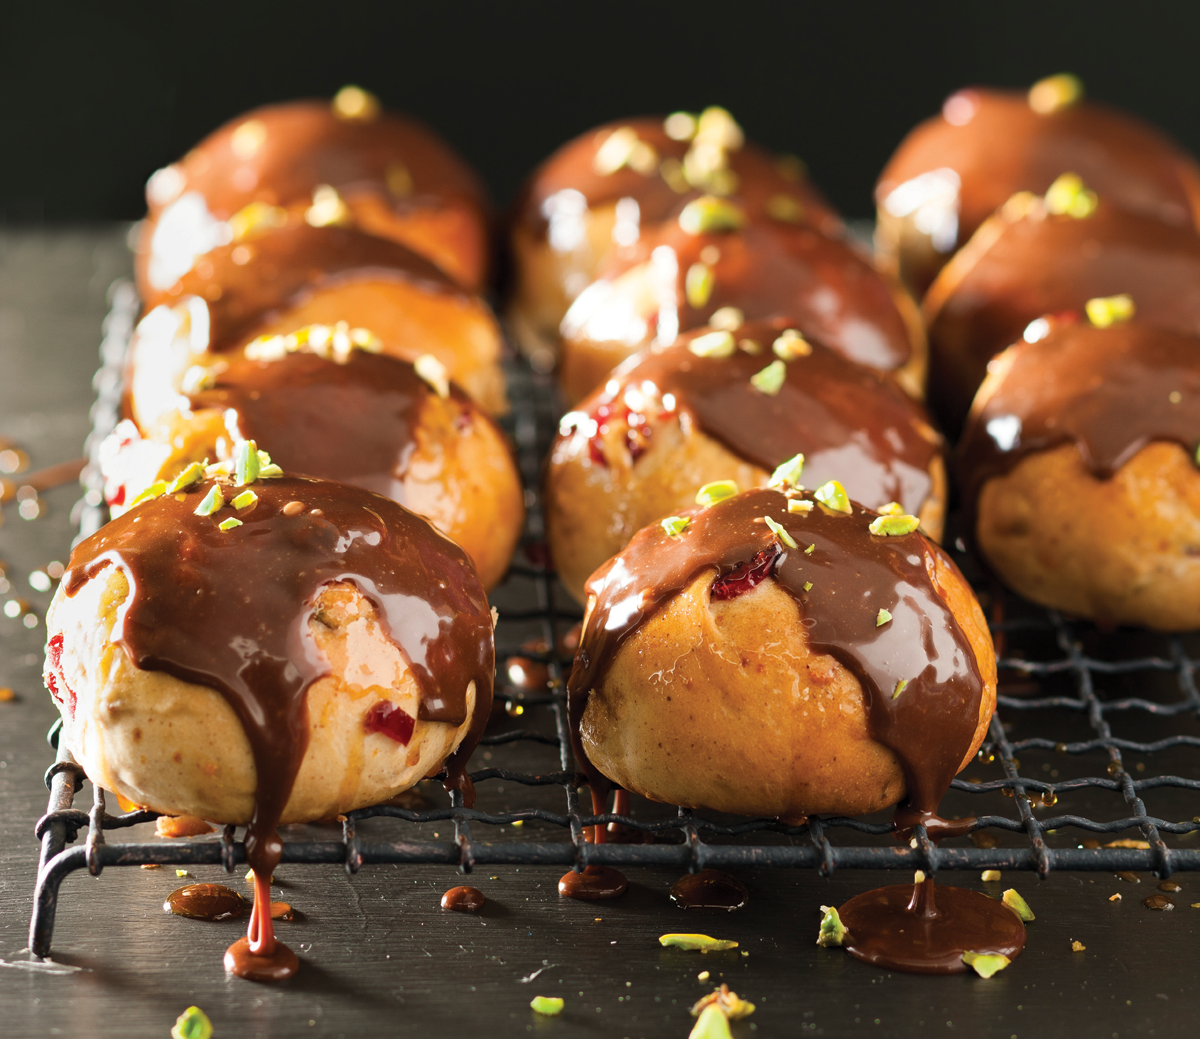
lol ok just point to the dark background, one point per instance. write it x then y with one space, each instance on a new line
94 97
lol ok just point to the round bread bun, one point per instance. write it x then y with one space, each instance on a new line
280 280
356 416
954 170
725 705
598 192
626 458
713 254
1079 468
347 163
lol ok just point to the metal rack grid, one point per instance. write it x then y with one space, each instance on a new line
688 840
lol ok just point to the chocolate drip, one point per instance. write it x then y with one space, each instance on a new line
354 422
231 610
709 889
928 723
206 902
594 884
1108 391
850 423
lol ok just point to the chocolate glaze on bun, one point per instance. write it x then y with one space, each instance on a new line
1078 462
954 170
730 667
712 254
672 419
1025 262
346 163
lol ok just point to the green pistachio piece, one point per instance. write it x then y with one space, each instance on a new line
224 468
190 475
733 1006
799 505
230 523
698 284
771 379
711 1024
808 551
751 346
1105 311
833 931
717 491
893 526
790 345
246 463
1068 196
882 617
1054 93
434 373
193 1023
778 530
727 319
708 213
673 526
244 500
787 474
1018 905
833 496
712 344
692 942
892 508
680 126
985 964
156 490
212 502
808 586
548 1005
900 687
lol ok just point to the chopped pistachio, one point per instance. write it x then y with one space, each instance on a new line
808 586
985 964
833 496
892 508
190 475
156 490
787 474
222 468
1104 311
708 213
1018 905
712 344
1055 93
366 340
1068 196
327 209
778 530
193 1023
718 128
269 348
832 931
790 344
1115 898
256 217
1077 946
230 523
882 617
213 501
433 372
771 379
355 104
196 379
693 942
800 505
751 346
900 687
245 499
246 462
730 1002
698 284
990 876
673 526
615 151
808 551
248 138
727 319
548 1005
270 472
785 209
182 873
717 491
711 1024
894 526
680 126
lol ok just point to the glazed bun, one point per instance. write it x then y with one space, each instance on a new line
726 667
954 170
347 164
673 419
712 254
327 408
279 280
282 669
599 192
1045 255
1079 468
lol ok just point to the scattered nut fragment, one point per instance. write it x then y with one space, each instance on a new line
985 964
698 285
711 1024
182 873
731 1004
833 496
1115 898
1055 93
900 687
713 344
1105 311
893 526
702 976
717 491
1126 842
787 474
434 373
1077 946
708 213
1017 904
832 931
727 319
990 876
693 942
790 345
800 505
1068 196
882 618
771 379
293 508
673 526
548 1005
327 209
780 532
193 1023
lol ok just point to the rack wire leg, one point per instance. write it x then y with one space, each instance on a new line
56 829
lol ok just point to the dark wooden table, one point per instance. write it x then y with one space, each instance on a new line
380 958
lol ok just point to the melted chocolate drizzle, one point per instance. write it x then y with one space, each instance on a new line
929 725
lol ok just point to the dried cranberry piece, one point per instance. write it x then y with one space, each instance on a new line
391 720
54 677
119 497
742 578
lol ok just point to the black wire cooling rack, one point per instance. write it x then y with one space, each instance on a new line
1064 686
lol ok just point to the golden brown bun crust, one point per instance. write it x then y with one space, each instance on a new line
1121 551
723 706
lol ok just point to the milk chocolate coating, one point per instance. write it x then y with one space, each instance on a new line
231 609
354 422
1108 391
771 269
931 723
281 267
759 178
850 423
1006 147
983 300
